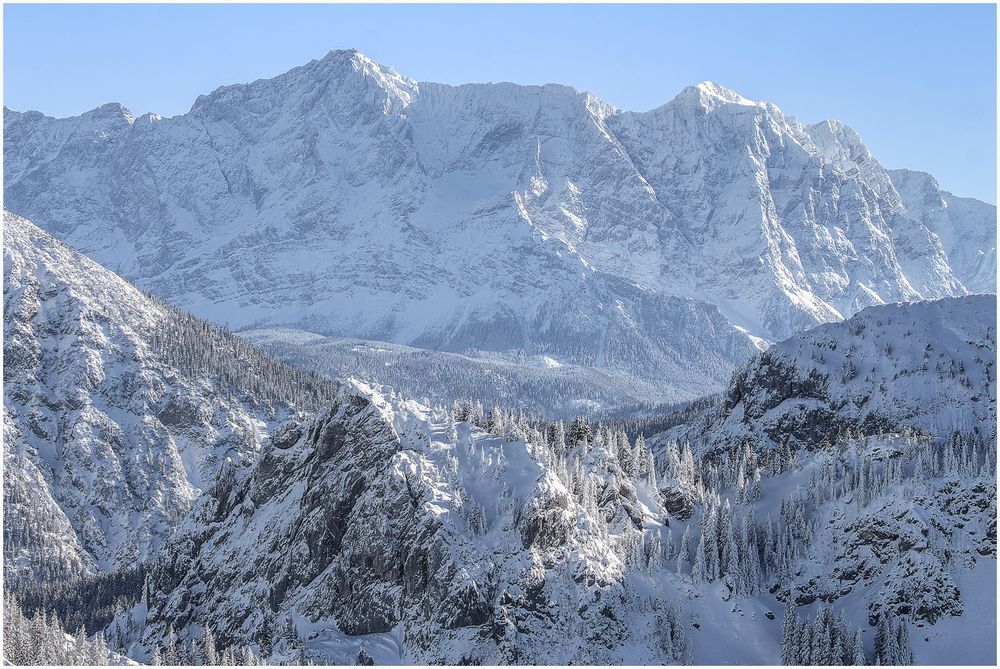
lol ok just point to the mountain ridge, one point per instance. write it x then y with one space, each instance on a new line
345 199
119 410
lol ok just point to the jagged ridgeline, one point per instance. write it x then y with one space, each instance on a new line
647 253
119 410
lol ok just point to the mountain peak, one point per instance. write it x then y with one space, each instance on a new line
359 62
357 74
111 111
710 95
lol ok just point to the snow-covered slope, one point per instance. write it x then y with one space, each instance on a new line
544 385
347 200
966 227
929 366
387 526
384 528
118 410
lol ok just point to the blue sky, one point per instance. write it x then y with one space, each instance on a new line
918 82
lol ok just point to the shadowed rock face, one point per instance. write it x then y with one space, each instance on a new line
316 487
905 556
355 519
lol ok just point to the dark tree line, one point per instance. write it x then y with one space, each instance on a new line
198 348
89 602
823 641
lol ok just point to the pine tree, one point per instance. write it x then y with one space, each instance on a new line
265 632
193 654
858 653
171 657
805 644
754 494
904 651
579 431
684 552
699 572
789 636
209 652
730 553
709 540
291 633
249 659
98 651
885 642
495 423
640 463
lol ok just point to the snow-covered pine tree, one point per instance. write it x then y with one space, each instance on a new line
788 647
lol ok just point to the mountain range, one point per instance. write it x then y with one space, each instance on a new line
532 222
119 410
341 367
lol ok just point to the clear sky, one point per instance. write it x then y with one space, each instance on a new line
918 82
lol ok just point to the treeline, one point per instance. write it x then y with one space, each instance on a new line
660 418
29 527
824 641
671 636
88 602
744 553
198 348
447 377
202 652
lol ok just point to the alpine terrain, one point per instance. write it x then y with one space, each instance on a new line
534 223
344 368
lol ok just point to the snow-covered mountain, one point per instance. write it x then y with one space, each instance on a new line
384 529
409 533
347 200
118 410
527 246
928 366
966 227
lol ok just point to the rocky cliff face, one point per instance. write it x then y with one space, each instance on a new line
899 547
382 519
930 366
110 434
345 199
966 227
